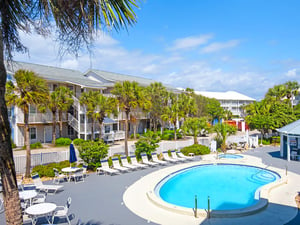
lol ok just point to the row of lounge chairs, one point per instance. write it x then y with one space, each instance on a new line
126 166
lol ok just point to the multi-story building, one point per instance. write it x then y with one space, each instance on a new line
75 122
229 100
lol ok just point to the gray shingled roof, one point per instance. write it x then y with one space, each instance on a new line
292 128
55 74
116 77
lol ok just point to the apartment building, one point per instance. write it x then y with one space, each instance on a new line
75 122
230 100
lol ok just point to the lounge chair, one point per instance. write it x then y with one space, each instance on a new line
146 161
116 165
169 159
135 162
44 187
78 176
126 163
58 177
105 168
184 156
174 156
155 159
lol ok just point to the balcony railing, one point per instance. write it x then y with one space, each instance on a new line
40 117
73 122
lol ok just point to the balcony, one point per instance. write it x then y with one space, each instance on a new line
39 118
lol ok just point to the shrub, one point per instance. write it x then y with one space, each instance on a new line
147 144
35 145
266 141
78 141
91 152
196 149
137 136
63 141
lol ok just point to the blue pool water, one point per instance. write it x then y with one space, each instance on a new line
228 186
230 156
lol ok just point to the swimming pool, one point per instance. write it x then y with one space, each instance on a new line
230 156
228 186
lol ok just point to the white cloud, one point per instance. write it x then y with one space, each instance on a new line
190 42
218 46
291 73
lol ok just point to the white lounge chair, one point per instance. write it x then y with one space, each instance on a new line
169 159
116 165
62 211
58 177
146 161
155 159
105 168
135 162
126 163
44 187
184 156
174 156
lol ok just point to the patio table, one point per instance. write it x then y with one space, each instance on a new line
40 210
69 171
28 195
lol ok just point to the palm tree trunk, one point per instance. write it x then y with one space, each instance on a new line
175 135
195 140
126 133
92 129
53 127
60 123
134 129
27 141
12 205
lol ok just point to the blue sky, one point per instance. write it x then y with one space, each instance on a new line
208 45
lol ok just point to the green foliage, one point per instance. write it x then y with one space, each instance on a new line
223 130
35 145
266 141
147 143
78 141
169 134
196 149
63 141
137 136
47 170
195 127
91 152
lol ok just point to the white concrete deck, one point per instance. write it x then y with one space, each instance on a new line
281 208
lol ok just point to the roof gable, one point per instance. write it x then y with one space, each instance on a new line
292 128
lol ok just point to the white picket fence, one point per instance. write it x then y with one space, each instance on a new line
49 157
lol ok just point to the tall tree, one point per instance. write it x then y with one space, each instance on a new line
214 109
158 97
127 94
195 126
223 130
29 90
60 101
76 23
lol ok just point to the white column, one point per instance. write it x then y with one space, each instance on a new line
85 125
288 148
281 145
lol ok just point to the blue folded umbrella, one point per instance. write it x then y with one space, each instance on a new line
73 157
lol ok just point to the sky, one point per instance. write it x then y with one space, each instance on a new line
246 46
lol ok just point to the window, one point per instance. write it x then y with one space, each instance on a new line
32 109
115 127
54 87
106 129
70 131
32 133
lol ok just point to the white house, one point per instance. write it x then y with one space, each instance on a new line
230 100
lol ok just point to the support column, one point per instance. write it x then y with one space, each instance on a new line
288 148
281 145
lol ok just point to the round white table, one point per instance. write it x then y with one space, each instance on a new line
40 210
28 195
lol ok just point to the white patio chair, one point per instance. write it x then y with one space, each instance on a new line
84 170
40 198
44 187
58 177
126 163
105 168
174 156
135 162
184 156
62 211
78 176
116 165
169 159
155 159
146 161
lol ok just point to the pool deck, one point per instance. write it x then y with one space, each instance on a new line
100 200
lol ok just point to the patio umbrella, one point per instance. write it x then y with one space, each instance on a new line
73 157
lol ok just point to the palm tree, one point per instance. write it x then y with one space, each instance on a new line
223 130
127 94
89 100
105 107
60 100
76 23
30 89
195 126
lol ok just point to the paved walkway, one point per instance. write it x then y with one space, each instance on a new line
99 200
